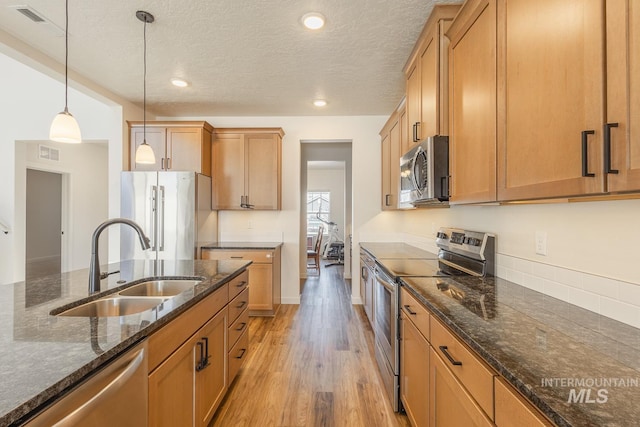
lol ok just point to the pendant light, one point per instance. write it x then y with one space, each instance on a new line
64 127
144 152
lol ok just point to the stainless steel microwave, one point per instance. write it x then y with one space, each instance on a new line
424 174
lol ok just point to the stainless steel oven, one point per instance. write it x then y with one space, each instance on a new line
386 333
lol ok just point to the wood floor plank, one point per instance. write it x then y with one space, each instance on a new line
311 365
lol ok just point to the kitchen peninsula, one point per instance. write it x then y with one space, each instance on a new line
43 355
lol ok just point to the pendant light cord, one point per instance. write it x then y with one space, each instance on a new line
66 56
144 87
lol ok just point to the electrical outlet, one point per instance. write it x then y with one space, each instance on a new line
541 242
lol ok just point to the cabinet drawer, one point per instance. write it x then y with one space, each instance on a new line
262 256
476 377
238 355
239 284
415 312
238 305
238 327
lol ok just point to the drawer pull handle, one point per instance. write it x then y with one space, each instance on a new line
241 284
242 325
236 257
444 349
408 310
242 352
242 304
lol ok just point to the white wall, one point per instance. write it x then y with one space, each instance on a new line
30 99
284 224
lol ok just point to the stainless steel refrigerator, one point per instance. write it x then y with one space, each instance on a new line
173 209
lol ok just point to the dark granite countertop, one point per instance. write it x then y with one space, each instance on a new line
241 245
43 355
381 250
544 347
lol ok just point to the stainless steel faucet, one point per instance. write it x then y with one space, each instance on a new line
94 267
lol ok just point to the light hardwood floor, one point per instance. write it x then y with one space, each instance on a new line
311 365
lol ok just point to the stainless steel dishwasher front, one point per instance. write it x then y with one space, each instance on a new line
117 395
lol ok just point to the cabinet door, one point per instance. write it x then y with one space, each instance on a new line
156 138
472 79
414 373
228 171
623 94
262 171
184 147
553 72
171 391
429 88
404 131
413 104
260 287
513 410
391 167
386 172
211 381
451 405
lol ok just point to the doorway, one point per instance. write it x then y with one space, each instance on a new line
43 224
326 168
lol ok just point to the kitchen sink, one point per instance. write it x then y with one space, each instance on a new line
160 288
113 306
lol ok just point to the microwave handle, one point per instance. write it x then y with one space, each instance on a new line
444 186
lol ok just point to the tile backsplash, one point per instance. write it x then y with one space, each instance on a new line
611 298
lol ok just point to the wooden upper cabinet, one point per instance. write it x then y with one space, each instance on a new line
247 168
473 108
550 139
623 94
177 146
426 79
390 136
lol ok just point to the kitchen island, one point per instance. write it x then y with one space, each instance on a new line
42 356
576 367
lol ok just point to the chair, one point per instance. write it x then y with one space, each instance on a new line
314 253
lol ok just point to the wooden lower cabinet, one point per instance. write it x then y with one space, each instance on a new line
264 276
512 410
414 373
450 404
182 390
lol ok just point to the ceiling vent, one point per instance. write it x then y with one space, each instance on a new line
38 18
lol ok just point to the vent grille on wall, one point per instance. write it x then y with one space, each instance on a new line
38 18
48 153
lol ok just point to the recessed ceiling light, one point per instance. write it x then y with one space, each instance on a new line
313 20
179 82
319 102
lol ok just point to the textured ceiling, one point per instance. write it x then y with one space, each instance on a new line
242 57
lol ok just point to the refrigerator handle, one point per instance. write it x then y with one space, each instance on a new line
161 229
154 217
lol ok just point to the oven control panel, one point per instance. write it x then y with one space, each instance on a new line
473 244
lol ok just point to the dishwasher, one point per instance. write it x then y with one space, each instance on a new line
115 396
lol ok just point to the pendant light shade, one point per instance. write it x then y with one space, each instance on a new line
144 152
65 127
